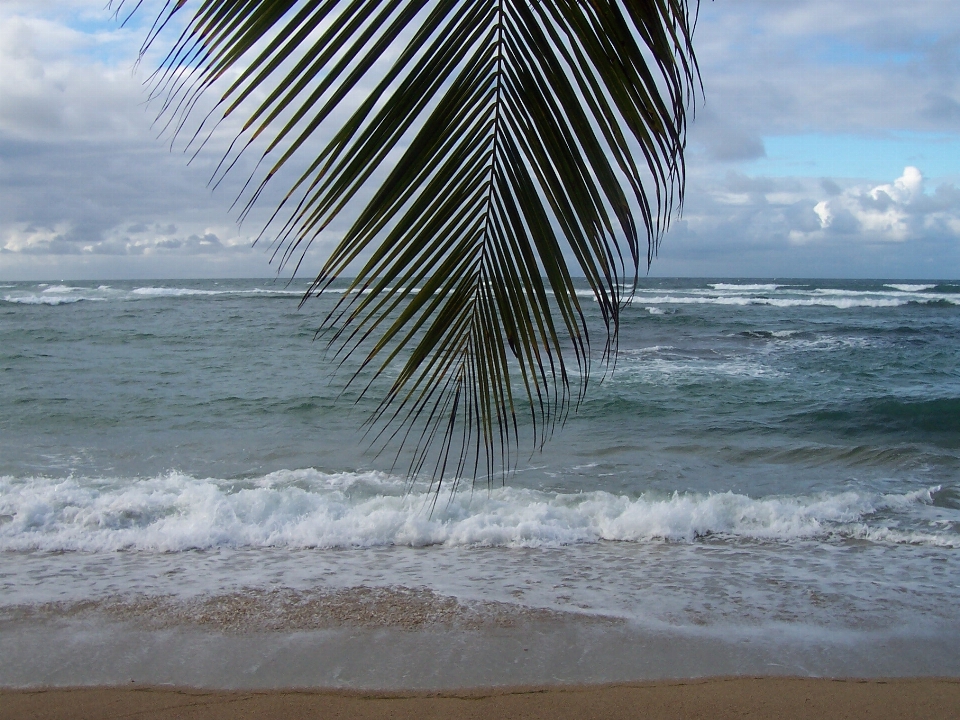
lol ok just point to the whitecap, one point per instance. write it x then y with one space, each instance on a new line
61 288
828 342
664 371
825 301
745 288
41 300
308 508
265 291
174 292
193 292
909 288
646 350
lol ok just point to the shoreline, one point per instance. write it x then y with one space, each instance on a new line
716 697
381 639
94 652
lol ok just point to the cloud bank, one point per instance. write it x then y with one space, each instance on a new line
88 190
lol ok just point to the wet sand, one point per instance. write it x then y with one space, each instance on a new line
720 698
382 639
149 657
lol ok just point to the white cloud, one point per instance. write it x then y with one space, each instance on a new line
895 212
31 239
804 227
50 90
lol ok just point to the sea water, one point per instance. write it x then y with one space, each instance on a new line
766 458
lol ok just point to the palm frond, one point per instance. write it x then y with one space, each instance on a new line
513 145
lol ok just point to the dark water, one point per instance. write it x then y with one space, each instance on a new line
758 440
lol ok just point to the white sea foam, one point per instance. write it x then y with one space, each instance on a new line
744 288
647 350
910 288
60 288
41 299
828 342
267 291
839 301
193 292
174 292
669 371
307 508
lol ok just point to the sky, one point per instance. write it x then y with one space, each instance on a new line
825 143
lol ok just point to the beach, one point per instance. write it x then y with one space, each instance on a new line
765 486
717 698
403 653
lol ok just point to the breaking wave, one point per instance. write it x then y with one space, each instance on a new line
308 508
42 300
903 287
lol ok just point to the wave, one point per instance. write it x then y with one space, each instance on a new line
932 418
828 343
668 371
649 300
903 287
311 509
175 292
61 288
42 300
769 334
745 288
62 294
179 292
837 301
805 341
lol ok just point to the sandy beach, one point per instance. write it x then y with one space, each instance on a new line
718 698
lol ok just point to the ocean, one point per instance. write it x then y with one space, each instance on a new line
769 464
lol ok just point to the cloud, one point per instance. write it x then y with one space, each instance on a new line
722 140
803 227
822 66
83 173
83 176
890 212
86 188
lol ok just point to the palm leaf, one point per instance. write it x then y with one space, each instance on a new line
512 145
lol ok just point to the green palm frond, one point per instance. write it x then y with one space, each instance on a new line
510 145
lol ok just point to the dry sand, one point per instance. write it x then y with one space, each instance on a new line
930 699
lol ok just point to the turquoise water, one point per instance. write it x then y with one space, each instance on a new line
764 453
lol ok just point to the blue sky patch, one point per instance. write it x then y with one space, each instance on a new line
883 158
